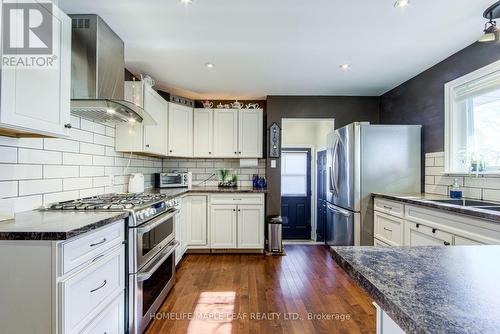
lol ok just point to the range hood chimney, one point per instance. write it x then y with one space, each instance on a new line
98 74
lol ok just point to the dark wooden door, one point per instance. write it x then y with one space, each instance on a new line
321 195
296 193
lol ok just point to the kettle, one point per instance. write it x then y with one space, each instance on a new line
136 183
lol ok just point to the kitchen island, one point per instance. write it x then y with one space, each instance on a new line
428 289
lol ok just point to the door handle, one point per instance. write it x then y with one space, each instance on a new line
99 287
339 210
99 243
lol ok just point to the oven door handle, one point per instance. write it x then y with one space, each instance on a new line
156 222
142 276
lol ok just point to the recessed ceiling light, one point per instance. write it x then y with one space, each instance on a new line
401 3
345 67
210 65
186 2
131 120
110 111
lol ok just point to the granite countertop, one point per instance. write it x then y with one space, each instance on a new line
426 200
62 225
55 225
430 289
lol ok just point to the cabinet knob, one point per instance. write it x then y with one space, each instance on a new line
417 226
235 152
68 126
209 152
446 243
239 152
234 210
433 230
147 145
170 151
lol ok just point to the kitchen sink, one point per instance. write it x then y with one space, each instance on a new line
469 203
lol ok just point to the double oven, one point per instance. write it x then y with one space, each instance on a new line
151 262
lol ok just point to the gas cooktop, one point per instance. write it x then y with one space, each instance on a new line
116 201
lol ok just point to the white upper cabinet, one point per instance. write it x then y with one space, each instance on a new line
226 133
151 139
36 100
180 131
250 133
155 138
203 133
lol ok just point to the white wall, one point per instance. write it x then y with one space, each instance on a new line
38 171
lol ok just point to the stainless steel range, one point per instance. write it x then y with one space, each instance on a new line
151 248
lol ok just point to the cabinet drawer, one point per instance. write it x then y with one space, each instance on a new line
421 235
237 199
87 292
390 207
78 251
460 241
109 321
389 229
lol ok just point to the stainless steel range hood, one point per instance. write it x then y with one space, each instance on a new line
98 74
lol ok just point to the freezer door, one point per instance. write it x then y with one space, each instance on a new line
342 183
339 226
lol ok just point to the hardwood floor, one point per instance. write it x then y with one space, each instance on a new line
264 294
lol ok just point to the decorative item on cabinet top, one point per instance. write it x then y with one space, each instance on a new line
207 104
177 99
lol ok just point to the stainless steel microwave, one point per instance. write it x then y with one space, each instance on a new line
171 180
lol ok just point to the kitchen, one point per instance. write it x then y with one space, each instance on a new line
142 169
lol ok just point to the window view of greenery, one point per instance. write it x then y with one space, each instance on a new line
483 125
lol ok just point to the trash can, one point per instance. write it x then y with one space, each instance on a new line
274 243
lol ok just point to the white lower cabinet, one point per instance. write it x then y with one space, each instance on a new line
384 323
223 220
181 229
71 286
196 215
111 321
400 224
250 226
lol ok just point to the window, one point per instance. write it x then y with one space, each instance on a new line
472 122
294 173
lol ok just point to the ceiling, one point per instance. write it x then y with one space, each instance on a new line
286 47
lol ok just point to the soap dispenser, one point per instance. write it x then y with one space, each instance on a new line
455 191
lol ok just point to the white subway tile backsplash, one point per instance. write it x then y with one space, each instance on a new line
8 154
103 181
103 161
26 203
92 192
91 171
30 156
94 149
8 189
110 131
64 145
474 187
55 172
81 136
30 143
77 183
77 159
75 122
60 197
33 187
104 140
11 172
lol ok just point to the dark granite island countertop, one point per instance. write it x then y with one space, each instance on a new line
55 225
430 289
427 200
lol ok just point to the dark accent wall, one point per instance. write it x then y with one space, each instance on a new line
344 109
420 100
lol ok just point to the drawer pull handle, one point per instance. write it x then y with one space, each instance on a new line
434 230
417 225
236 199
388 207
446 243
99 287
387 229
97 258
99 243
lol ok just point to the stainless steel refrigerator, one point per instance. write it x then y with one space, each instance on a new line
362 159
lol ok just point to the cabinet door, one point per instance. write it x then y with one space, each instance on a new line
250 226
250 133
203 133
226 133
180 131
460 241
37 100
197 221
155 139
223 226
184 224
178 237
130 137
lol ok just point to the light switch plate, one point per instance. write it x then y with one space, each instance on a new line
273 163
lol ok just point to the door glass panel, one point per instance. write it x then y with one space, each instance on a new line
294 174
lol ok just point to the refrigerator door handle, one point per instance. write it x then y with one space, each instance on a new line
333 185
339 210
